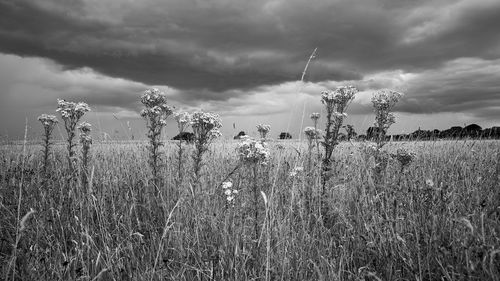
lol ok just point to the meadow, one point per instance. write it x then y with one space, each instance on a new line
434 218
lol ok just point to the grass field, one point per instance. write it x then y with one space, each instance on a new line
436 219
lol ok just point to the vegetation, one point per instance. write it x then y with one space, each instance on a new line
253 209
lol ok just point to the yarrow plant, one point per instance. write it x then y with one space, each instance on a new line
48 122
71 113
336 103
252 151
156 112
383 104
86 141
206 127
263 130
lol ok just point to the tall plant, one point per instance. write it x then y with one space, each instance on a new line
156 112
71 113
86 142
205 127
48 122
383 102
253 154
336 103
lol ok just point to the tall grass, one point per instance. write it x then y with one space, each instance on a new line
436 219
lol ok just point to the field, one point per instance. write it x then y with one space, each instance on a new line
437 218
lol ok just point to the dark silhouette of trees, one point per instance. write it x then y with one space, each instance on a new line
239 135
185 136
285 136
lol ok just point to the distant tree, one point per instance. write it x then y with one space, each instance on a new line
239 135
472 131
491 133
185 136
285 136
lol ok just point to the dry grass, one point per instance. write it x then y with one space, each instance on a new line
438 220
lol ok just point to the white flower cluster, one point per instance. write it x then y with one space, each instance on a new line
253 151
383 102
230 193
206 125
85 137
156 105
48 121
263 130
315 116
71 110
183 120
312 133
341 95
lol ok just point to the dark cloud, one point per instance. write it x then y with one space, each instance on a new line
221 45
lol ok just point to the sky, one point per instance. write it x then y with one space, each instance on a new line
244 60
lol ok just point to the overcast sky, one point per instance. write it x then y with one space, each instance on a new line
244 59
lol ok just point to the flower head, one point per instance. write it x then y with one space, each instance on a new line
315 116
312 133
206 125
157 110
48 121
263 130
85 137
229 192
183 120
341 96
383 103
253 151
71 110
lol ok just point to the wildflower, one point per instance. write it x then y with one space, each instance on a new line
85 138
183 120
157 110
403 156
253 151
71 113
429 182
263 130
71 110
227 184
206 125
340 96
383 103
315 116
229 192
312 133
48 121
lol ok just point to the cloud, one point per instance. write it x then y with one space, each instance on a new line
244 59
220 45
